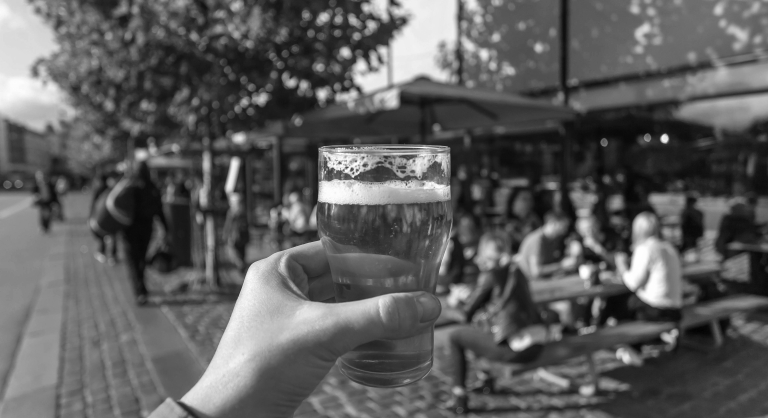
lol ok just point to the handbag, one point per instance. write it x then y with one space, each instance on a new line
114 210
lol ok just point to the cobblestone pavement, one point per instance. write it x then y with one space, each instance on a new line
104 372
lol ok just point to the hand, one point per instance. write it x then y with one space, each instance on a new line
622 262
279 344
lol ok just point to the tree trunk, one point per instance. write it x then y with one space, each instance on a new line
211 259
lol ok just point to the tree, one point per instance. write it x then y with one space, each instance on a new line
514 44
208 68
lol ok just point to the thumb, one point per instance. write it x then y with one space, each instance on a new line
391 317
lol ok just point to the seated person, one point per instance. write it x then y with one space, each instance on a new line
521 219
737 226
598 244
452 266
541 254
691 224
514 331
655 279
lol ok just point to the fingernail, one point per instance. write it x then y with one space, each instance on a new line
429 307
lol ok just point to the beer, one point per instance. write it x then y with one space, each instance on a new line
384 237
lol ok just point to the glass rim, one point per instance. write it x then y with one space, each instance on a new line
386 149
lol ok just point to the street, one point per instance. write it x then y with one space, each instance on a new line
22 248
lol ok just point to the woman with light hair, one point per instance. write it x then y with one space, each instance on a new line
654 277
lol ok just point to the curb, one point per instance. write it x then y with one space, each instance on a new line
31 387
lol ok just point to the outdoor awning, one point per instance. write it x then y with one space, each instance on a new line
420 107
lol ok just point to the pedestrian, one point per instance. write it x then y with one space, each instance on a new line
44 197
281 341
138 234
104 184
236 232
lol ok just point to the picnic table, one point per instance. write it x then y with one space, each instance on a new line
572 287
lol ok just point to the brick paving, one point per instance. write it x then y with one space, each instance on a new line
104 371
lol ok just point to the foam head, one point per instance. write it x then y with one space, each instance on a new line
352 192
413 165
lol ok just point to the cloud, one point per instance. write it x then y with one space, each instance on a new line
31 102
9 19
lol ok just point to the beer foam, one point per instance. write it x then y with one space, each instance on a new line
413 166
350 192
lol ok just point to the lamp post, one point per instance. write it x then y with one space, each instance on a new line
459 52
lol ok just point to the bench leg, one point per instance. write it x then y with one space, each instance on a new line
590 388
717 332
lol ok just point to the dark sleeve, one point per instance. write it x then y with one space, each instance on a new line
480 295
724 236
456 268
158 202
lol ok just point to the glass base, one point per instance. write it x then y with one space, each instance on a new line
385 380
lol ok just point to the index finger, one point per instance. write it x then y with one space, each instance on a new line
312 259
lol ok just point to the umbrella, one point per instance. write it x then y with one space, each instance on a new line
421 106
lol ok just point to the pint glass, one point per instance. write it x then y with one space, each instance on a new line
384 216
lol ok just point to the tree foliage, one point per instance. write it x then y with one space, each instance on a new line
150 67
514 44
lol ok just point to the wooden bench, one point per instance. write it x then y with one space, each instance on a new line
586 346
711 312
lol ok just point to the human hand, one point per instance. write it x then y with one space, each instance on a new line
279 344
622 261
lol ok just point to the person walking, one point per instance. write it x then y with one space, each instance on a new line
138 234
44 197
236 232
103 185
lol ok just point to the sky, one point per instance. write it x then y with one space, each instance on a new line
24 38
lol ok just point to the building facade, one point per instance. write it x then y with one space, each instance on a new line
22 150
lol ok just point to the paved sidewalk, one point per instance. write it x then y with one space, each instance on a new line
117 359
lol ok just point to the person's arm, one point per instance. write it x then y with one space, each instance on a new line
637 275
539 271
480 295
280 342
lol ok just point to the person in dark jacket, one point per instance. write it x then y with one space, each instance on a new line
691 224
502 303
138 234
103 184
45 196
452 266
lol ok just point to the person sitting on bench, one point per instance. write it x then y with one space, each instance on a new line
655 279
510 327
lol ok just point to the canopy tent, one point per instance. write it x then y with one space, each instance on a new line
422 106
